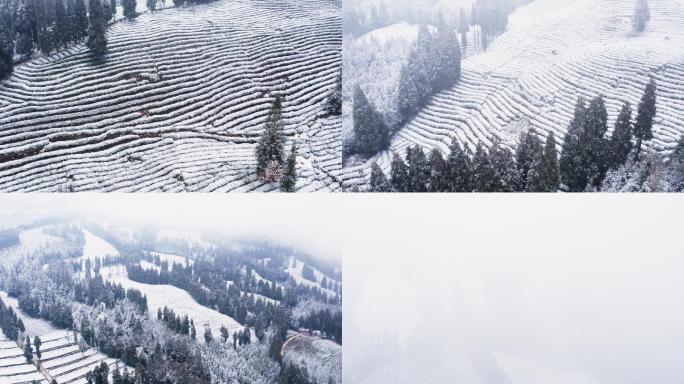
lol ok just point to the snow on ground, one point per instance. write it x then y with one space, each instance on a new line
96 247
34 326
173 259
146 265
13 366
553 52
322 358
30 241
177 299
178 103
294 269
64 361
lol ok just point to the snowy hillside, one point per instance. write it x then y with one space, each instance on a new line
553 52
178 103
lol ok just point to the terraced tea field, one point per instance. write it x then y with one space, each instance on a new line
178 103
553 52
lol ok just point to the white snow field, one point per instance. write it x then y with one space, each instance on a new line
179 102
177 299
553 52
63 360
295 268
13 366
322 358
31 241
96 247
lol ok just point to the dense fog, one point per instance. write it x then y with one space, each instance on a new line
516 291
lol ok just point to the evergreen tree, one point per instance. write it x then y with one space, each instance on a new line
37 343
112 7
333 104
61 31
129 9
642 14
371 133
438 181
269 151
527 155
459 171
643 127
676 166
378 180
224 333
179 3
483 171
23 28
572 172
81 21
505 177
107 11
43 25
399 175
548 177
594 143
621 140
28 350
151 5
418 170
447 54
289 180
208 337
6 50
97 41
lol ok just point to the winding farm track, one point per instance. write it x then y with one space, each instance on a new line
179 102
553 52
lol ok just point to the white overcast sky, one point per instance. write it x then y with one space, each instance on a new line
530 289
303 221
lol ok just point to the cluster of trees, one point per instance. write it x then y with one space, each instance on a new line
293 374
270 153
433 65
327 321
46 25
99 375
182 326
533 168
588 153
11 325
642 14
308 273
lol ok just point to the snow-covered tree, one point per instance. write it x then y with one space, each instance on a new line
129 11
378 180
97 41
6 50
289 180
459 171
269 152
621 139
371 133
642 14
643 127
399 174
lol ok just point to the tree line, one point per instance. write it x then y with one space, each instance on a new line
588 155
